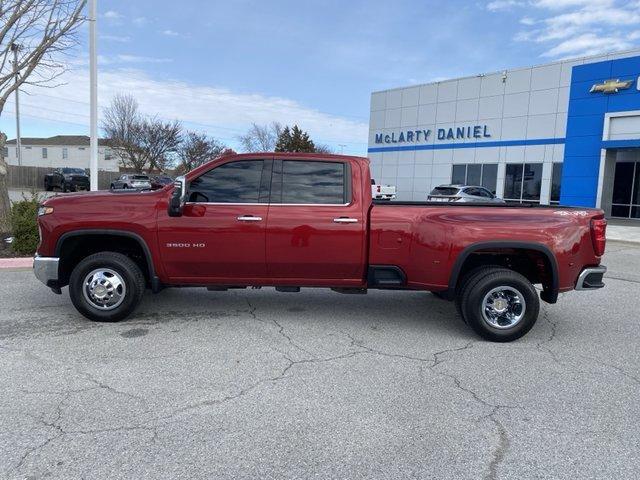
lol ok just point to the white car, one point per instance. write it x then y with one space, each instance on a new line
382 192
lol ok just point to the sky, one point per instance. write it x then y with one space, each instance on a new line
220 66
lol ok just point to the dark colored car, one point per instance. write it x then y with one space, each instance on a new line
160 181
67 180
130 180
293 220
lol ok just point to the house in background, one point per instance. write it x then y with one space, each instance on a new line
60 151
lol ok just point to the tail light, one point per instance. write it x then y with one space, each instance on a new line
379 189
598 235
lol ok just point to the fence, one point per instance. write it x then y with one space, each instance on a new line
32 178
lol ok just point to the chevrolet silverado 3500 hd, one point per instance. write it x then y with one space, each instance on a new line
292 220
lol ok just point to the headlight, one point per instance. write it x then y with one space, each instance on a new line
44 210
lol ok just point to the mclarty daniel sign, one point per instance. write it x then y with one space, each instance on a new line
441 134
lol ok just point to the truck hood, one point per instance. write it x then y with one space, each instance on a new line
108 196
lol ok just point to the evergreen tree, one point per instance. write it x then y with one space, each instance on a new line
294 140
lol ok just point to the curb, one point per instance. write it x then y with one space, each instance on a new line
20 262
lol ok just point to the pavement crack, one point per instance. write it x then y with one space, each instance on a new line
544 344
622 372
281 331
501 449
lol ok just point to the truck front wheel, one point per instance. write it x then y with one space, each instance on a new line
501 305
106 286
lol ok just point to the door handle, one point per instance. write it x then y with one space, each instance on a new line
249 218
345 220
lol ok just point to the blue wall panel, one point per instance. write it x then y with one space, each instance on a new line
585 121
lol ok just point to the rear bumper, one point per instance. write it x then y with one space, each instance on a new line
591 278
46 270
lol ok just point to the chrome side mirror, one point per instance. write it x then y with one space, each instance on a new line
178 198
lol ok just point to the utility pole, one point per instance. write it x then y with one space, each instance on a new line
93 80
342 145
14 48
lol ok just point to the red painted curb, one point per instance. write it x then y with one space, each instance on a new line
22 262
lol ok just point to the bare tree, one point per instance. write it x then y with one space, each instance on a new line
122 126
140 142
39 32
197 149
261 138
159 142
322 148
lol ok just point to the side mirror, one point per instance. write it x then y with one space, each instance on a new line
178 198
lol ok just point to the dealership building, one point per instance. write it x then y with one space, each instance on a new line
562 133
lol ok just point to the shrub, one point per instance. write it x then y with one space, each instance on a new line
24 225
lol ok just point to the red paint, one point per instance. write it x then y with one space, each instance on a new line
301 245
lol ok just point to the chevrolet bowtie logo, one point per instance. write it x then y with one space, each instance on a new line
611 86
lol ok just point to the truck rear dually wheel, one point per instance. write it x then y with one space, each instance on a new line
501 305
106 286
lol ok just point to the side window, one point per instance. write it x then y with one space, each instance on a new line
484 193
310 182
234 182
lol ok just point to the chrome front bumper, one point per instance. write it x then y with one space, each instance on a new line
46 270
591 278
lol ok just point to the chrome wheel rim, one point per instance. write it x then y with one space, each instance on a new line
503 307
104 289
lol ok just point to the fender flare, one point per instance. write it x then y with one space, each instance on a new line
155 281
549 296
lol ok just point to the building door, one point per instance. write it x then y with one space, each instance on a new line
625 202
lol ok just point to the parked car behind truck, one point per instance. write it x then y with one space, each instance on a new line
462 194
133 181
308 220
382 192
66 180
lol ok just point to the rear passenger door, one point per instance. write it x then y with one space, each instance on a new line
316 226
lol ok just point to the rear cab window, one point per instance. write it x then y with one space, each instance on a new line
311 182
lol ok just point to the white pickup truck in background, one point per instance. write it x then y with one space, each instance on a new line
382 192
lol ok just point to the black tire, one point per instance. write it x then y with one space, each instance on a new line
470 278
129 272
112 187
472 304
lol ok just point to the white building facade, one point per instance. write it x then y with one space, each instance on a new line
60 151
567 132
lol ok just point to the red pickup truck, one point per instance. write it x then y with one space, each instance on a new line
308 220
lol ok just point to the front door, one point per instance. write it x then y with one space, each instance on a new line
220 237
316 230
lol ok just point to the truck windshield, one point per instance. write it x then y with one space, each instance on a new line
76 171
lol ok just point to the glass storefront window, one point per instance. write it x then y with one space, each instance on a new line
622 182
522 182
482 174
474 174
459 174
513 181
556 178
490 176
626 190
532 181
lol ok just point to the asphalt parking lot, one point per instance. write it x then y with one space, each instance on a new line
259 384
